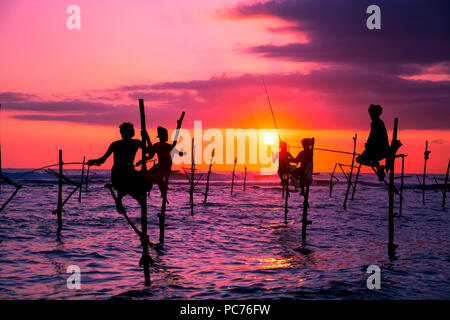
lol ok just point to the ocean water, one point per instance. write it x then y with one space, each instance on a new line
234 247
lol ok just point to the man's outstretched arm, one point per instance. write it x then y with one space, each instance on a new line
99 161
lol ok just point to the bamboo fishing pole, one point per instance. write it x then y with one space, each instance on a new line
144 237
209 173
271 109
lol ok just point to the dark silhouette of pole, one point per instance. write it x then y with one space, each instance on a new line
245 176
162 215
87 178
81 182
271 109
426 156
356 183
60 181
391 245
402 183
444 195
305 220
286 195
209 173
192 184
331 179
144 237
349 184
232 178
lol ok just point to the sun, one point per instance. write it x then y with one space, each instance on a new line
269 138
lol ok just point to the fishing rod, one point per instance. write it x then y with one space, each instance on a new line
329 150
271 109
253 118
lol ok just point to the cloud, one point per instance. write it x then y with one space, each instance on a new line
333 98
15 96
413 33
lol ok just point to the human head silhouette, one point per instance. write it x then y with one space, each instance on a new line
283 146
127 130
163 134
306 143
375 111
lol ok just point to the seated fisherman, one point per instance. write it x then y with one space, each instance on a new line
284 157
305 158
160 171
377 145
125 179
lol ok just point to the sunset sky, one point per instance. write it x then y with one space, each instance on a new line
70 89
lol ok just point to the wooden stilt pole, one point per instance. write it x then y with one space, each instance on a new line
162 215
207 177
192 183
356 183
286 195
391 245
145 260
81 182
60 181
87 178
10 198
426 156
331 179
444 194
232 178
165 181
349 180
402 183
305 221
245 176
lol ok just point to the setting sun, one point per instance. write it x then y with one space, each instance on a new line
269 138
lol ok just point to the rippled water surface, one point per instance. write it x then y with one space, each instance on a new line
235 247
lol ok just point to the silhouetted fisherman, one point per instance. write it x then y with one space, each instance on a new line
160 171
284 157
305 158
377 145
125 179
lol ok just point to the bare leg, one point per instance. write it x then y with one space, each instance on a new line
119 205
